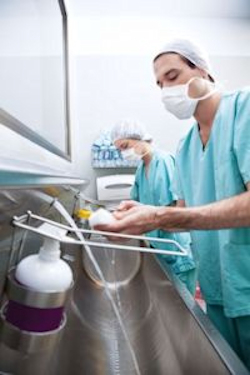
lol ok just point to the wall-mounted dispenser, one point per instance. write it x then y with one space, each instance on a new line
114 187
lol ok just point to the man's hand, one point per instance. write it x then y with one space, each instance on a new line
124 206
136 220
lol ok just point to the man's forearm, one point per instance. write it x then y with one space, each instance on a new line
229 213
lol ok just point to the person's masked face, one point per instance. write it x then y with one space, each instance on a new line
130 149
182 100
183 86
130 154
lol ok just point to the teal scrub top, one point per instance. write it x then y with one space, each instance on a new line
154 189
219 171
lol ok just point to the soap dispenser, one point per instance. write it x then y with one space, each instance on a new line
44 276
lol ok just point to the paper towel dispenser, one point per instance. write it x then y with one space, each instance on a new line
114 187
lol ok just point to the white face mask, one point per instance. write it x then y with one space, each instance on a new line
177 101
130 154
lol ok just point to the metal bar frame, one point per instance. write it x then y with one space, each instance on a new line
18 221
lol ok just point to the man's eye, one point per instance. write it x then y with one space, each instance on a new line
171 77
173 74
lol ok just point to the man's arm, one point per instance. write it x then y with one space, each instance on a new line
229 213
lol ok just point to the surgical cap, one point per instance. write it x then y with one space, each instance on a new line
190 51
129 129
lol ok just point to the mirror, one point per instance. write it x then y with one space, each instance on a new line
34 72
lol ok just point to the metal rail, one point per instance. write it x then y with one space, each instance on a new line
18 222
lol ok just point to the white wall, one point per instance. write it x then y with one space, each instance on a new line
32 86
113 78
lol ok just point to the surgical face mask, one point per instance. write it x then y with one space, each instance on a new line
178 100
130 154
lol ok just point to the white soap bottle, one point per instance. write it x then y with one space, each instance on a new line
45 271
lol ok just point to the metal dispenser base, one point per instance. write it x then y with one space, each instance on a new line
25 341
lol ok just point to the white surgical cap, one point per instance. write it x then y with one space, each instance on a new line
129 129
190 51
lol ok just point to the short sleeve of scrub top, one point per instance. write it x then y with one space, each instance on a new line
155 189
176 187
163 180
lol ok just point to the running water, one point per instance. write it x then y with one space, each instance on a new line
61 209
115 281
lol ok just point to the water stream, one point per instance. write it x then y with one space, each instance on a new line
61 209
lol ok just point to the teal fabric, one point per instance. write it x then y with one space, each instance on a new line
154 189
220 171
189 278
236 331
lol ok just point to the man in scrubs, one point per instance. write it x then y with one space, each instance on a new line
212 183
152 186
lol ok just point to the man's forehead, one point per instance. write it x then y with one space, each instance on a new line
169 60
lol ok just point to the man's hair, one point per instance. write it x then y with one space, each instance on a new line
191 65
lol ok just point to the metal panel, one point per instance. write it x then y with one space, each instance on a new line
168 332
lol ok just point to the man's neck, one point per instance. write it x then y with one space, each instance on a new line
206 111
147 158
205 114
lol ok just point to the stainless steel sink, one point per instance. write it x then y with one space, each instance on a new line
168 333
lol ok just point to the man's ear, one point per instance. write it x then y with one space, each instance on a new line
204 74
